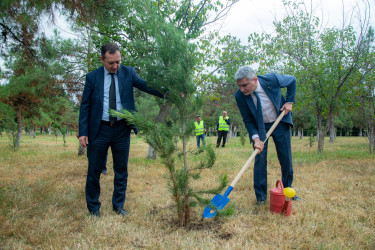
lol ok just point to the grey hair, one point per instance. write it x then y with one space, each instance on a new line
245 72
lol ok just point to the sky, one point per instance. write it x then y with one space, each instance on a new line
248 16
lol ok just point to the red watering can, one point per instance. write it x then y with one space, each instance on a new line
280 199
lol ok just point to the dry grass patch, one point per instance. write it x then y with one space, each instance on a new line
43 205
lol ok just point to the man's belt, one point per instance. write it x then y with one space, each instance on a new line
116 124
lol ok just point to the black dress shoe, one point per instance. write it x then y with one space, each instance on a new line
120 211
104 171
259 203
95 213
296 198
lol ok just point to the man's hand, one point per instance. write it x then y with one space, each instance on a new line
83 140
288 107
258 144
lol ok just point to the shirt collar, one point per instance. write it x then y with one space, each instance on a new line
259 88
106 72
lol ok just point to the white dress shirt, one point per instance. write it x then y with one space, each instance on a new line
268 109
107 85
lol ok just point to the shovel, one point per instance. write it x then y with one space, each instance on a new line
220 201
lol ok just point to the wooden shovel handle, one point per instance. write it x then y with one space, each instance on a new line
247 164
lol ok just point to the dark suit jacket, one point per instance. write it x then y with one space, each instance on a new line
272 85
91 110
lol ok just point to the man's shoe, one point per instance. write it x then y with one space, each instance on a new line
223 146
217 146
95 213
296 198
120 211
259 203
104 171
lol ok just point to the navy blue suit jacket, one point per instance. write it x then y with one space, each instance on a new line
272 85
91 110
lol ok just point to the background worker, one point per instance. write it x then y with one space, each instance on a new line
200 130
260 102
222 129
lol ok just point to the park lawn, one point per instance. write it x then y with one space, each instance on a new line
42 200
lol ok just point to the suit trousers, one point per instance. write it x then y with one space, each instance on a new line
282 139
118 138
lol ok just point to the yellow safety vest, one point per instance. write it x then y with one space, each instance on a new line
223 126
199 128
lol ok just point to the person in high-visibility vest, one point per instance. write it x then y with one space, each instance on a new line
200 130
222 129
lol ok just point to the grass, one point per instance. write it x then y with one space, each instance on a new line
42 201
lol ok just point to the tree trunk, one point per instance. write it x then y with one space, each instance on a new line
370 128
151 153
230 133
318 126
300 132
186 168
319 134
81 150
360 130
332 132
19 129
162 116
235 131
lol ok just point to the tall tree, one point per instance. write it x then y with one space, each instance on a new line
365 93
29 76
168 65
329 59
188 16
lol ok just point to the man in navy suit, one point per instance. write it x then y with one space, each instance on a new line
260 102
108 87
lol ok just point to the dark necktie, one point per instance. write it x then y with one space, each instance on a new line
260 122
112 99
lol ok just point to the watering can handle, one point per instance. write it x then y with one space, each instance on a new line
280 184
247 164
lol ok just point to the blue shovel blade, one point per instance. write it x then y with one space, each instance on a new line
217 203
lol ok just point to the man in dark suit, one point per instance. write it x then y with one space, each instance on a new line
108 87
260 102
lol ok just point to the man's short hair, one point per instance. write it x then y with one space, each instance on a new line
198 116
245 72
111 48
